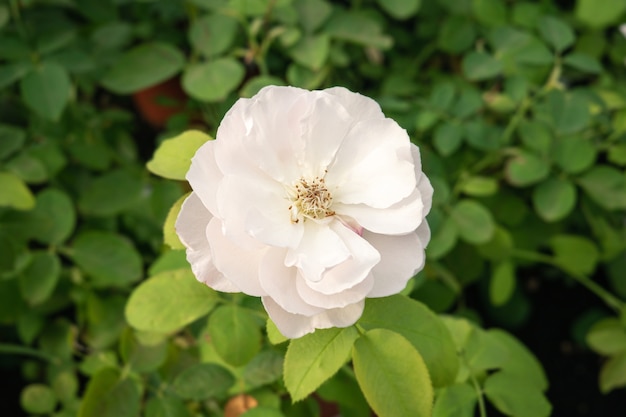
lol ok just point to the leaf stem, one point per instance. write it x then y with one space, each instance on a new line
23 350
476 385
608 298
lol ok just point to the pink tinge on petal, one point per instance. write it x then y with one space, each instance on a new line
294 326
401 257
191 226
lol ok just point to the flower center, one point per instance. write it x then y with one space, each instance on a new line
310 199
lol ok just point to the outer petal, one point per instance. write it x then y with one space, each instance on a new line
239 265
191 226
320 248
401 258
401 217
279 282
341 299
204 176
374 165
353 270
423 183
296 325
360 107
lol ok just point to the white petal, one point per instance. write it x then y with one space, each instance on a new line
323 128
423 183
279 282
191 226
204 176
423 232
257 208
359 106
341 299
400 218
238 265
320 248
273 137
296 325
353 270
374 165
401 258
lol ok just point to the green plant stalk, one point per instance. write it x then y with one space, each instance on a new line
23 350
479 392
608 298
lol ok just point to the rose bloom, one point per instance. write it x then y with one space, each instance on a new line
311 200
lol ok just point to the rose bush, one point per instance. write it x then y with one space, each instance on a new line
312 200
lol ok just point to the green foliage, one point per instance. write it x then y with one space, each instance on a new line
519 109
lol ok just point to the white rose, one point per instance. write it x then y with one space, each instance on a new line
311 200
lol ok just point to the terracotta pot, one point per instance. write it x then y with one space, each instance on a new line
158 103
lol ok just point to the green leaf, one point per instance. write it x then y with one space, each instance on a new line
502 283
520 362
457 34
443 239
11 139
484 351
479 186
15 193
235 334
575 253
455 401
525 169
273 334
263 411
613 373
568 112
574 154
201 381
606 186
515 397
554 199
474 222
421 327
311 51
607 337
170 237
312 13
556 33
108 258
12 72
111 193
400 9
315 357
140 357
583 62
143 66
109 395
214 80
213 34
264 368
46 90
442 96
359 28
617 154
172 158
448 138
38 399
29 168
490 12
166 407
599 13
40 276
478 66
499 248
55 216
168 301
392 375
